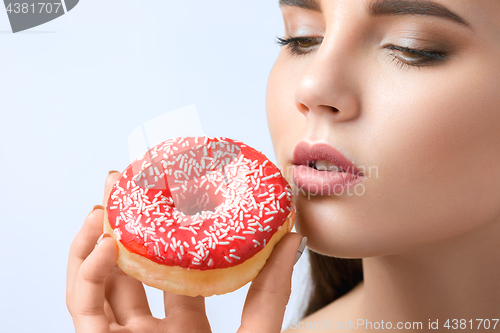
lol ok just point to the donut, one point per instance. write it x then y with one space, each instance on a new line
198 215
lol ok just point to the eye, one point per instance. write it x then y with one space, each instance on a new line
410 54
417 58
307 42
300 45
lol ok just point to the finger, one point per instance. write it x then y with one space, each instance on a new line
126 296
185 314
110 181
81 247
88 311
85 240
270 290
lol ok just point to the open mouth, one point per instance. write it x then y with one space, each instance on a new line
321 169
323 165
323 157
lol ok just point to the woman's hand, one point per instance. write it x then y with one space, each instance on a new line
101 298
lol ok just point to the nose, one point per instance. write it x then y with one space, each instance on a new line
327 87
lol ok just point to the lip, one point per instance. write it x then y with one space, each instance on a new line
323 182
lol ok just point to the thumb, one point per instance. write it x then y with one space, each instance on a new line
88 313
270 290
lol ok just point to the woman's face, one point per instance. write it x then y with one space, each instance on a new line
409 92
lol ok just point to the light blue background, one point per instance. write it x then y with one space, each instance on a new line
73 89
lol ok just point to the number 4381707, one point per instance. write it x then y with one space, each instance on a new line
465 324
41 7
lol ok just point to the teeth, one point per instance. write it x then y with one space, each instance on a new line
326 166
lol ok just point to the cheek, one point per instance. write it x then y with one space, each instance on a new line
441 154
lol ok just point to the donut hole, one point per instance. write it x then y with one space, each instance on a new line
193 202
191 192
191 175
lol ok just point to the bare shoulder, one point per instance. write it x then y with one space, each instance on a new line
340 314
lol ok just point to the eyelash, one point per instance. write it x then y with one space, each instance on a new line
426 57
293 44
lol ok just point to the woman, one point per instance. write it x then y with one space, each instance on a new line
407 94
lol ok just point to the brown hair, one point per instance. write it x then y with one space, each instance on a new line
331 278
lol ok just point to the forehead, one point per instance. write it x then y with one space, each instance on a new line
481 14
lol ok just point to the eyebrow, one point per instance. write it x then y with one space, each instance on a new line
390 7
412 7
306 4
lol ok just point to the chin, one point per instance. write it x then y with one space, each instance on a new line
332 229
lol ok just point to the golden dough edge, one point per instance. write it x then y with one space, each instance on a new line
193 282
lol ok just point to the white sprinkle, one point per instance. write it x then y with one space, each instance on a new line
225 257
215 239
235 257
256 241
269 220
196 172
258 184
268 177
239 237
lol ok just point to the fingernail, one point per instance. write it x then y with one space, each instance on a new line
302 246
96 207
112 171
101 238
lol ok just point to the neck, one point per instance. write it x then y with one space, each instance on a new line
454 279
